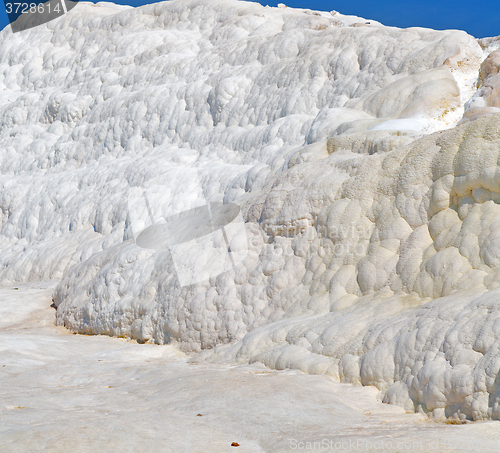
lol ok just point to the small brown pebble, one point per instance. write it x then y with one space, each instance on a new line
235 444
199 415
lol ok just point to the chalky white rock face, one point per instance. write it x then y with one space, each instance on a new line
364 163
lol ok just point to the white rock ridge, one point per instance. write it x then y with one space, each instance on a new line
372 216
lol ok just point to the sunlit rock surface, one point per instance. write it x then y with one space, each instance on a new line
63 392
364 160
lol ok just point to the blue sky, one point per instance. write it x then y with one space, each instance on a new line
479 19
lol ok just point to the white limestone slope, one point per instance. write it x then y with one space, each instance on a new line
63 392
371 216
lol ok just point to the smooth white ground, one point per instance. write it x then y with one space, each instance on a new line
61 392
372 215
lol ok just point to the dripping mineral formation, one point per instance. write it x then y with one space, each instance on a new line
362 159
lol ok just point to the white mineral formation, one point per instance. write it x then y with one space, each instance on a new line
73 393
364 160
